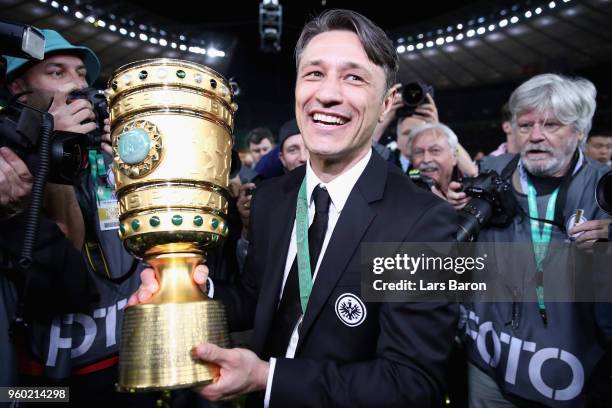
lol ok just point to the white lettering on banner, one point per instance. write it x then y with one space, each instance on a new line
479 332
487 327
89 323
535 374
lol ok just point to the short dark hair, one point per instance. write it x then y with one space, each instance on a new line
256 135
376 44
601 128
598 134
506 115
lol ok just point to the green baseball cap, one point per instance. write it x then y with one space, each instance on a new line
56 44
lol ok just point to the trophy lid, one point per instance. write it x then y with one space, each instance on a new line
169 72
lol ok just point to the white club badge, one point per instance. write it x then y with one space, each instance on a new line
350 310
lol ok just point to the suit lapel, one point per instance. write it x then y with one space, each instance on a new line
281 216
356 217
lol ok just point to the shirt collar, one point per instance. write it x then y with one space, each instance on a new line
405 162
339 188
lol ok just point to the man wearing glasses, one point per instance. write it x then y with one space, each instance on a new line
537 351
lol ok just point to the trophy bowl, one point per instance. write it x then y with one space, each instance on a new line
171 131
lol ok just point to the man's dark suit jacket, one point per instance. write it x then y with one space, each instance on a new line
397 356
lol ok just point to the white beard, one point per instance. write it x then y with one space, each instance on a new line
559 159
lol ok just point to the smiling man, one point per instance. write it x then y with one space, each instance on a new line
433 150
316 342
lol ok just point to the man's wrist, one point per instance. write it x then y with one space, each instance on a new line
261 376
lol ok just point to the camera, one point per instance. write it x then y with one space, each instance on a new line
493 203
100 109
413 95
603 192
420 179
21 41
21 129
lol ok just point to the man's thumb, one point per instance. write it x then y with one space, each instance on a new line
211 353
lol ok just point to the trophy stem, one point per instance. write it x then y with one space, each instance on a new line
158 336
173 272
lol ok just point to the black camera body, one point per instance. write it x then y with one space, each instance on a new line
413 95
100 108
21 129
493 203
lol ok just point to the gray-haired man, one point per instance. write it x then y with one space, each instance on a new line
536 351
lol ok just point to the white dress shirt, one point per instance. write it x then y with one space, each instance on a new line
404 162
339 190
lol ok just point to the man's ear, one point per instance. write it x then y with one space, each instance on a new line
506 127
18 86
387 103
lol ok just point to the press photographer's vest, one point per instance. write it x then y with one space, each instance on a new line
548 363
88 340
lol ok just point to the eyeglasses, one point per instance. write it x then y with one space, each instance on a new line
548 128
434 151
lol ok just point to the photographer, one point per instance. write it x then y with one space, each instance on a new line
77 347
433 151
543 352
413 105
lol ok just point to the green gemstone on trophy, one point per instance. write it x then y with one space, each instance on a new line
198 221
135 225
143 75
225 229
214 223
134 146
122 229
177 220
180 73
154 221
213 84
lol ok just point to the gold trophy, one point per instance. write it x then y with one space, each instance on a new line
172 124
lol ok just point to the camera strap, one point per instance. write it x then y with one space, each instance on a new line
93 248
540 239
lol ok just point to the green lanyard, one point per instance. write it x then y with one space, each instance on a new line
540 240
303 254
97 168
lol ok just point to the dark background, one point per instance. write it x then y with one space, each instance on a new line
472 78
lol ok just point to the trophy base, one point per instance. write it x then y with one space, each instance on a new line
157 343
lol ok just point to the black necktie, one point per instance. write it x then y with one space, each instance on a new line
290 309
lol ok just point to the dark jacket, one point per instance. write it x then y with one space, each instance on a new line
397 356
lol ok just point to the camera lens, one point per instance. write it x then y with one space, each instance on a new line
413 94
604 192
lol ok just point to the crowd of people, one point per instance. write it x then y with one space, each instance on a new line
60 324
